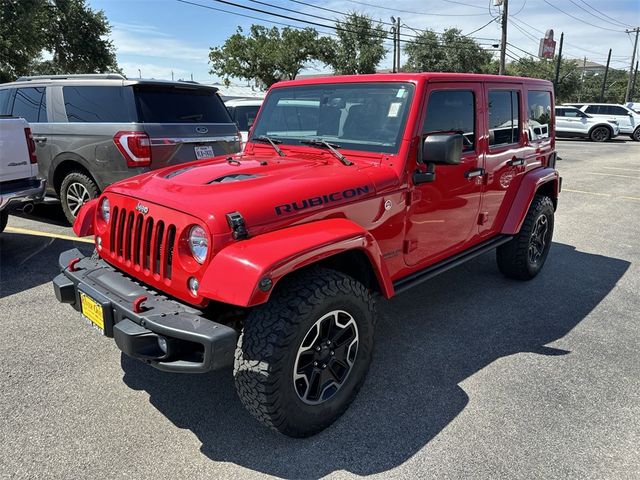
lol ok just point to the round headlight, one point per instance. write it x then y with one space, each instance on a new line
105 209
198 243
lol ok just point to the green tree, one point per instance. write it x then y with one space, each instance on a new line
452 52
615 87
74 35
265 55
359 47
569 78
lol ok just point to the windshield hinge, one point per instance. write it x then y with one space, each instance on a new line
236 222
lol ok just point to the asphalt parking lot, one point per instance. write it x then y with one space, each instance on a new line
474 376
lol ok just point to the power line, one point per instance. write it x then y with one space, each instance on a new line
580 19
602 13
616 24
412 12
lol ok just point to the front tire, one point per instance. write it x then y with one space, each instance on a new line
524 255
600 134
303 356
77 189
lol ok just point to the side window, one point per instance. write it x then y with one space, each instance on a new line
245 116
593 109
6 101
30 104
96 104
452 111
504 119
539 114
561 112
616 110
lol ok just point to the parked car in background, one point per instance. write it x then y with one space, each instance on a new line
93 130
19 185
628 120
572 122
244 112
635 106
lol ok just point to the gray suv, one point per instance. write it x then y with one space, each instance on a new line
93 130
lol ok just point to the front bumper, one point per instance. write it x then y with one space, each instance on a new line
15 193
193 343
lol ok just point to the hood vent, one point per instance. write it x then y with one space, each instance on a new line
234 177
177 172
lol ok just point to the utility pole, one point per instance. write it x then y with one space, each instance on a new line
398 47
503 40
172 75
633 59
557 80
633 86
584 67
393 31
604 80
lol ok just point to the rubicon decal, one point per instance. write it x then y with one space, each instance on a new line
321 200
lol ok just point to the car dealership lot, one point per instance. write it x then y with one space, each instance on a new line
474 375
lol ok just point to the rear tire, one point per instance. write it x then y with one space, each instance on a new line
4 218
600 134
77 189
523 256
636 135
303 356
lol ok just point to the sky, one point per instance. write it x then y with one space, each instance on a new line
154 38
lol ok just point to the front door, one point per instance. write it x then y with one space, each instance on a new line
443 214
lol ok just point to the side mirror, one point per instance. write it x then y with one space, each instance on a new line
444 148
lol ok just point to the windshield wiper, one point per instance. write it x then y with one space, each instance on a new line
274 143
332 148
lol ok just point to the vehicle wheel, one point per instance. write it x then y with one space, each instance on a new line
523 257
600 134
636 134
77 189
4 218
302 357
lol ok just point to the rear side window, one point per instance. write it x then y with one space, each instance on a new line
594 109
97 104
245 116
616 110
504 119
30 104
180 105
539 114
5 101
452 111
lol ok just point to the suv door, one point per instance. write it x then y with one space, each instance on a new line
443 214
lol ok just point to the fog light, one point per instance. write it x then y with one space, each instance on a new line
193 286
162 343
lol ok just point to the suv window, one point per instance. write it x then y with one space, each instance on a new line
30 104
96 104
452 110
180 105
594 109
504 118
573 113
5 98
539 114
245 116
616 110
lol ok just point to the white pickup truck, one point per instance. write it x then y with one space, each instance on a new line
19 185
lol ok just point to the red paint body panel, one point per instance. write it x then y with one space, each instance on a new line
262 257
372 205
83 225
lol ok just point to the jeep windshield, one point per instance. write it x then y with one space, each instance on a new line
357 116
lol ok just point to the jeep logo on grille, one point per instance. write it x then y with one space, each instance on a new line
202 129
142 209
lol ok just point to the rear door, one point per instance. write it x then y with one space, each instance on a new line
15 163
184 123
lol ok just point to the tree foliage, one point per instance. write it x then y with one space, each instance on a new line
569 78
68 31
452 52
265 55
359 47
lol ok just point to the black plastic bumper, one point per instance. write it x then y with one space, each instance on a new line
193 343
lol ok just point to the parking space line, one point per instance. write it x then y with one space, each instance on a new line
632 198
588 193
612 175
625 169
38 233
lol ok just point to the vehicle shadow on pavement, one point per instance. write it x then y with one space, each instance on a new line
429 340
27 261
50 213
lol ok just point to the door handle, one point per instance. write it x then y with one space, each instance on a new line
476 172
40 139
515 162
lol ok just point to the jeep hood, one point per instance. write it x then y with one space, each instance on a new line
263 189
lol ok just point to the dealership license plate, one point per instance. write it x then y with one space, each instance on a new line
203 151
92 310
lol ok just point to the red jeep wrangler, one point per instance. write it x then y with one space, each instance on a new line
349 187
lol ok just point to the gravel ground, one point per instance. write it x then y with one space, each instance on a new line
474 375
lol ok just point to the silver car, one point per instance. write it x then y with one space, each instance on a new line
93 130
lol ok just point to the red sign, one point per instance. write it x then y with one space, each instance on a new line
547 47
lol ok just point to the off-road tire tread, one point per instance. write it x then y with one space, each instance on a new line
512 256
268 333
78 176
